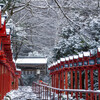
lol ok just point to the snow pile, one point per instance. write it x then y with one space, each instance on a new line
23 93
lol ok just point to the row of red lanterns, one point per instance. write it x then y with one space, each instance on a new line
89 58
9 75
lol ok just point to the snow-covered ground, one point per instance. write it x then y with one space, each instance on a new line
26 93
23 93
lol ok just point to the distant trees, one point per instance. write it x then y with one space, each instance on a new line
81 33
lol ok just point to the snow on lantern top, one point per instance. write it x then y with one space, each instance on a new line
62 59
67 58
8 30
80 55
58 61
71 57
75 56
86 54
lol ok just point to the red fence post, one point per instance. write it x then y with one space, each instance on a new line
91 75
99 79
71 82
1 81
56 81
80 81
62 87
86 82
66 80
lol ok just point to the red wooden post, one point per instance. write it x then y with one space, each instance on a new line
62 87
75 61
80 65
1 80
60 80
99 78
52 80
71 82
86 82
91 73
62 72
0 16
75 79
66 80
71 65
80 82
98 64
58 73
66 72
86 66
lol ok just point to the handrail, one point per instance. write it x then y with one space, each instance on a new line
45 91
71 90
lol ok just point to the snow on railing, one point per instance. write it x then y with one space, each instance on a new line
51 93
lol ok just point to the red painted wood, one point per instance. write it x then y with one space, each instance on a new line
71 82
99 79
52 80
76 83
91 75
80 81
56 81
0 19
62 80
66 81
75 79
86 82
0 82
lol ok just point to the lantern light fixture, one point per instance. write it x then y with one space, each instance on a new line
8 30
2 20
93 51
86 54
71 57
62 59
80 55
0 8
98 49
67 58
75 56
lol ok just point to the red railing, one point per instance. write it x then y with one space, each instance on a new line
51 93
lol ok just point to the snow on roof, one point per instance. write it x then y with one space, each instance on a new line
17 69
31 61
